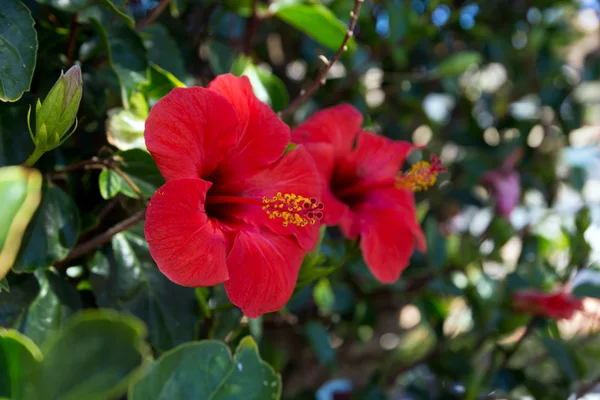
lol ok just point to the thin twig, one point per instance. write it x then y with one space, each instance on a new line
155 13
97 163
101 239
322 74
131 184
92 163
251 28
587 388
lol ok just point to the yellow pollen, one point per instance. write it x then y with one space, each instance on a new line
421 176
293 209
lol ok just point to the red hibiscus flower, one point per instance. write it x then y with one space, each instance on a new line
556 305
362 190
234 209
505 184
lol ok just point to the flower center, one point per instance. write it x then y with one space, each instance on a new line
421 176
289 207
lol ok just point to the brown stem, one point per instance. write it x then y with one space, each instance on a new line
93 163
322 74
71 44
251 28
587 388
101 239
131 184
155 13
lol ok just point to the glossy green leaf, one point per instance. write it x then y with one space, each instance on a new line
163 50
68 5
458 63
52 232
18 49
56 301
140 168
316 21
161 82
207 370
323 294
126 53
14 304
125 277
562 356
587 283
220 57
267 87
20 191
15 142
125 129
94 356
19 362
120 8
318 337
4 286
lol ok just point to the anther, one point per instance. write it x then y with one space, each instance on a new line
293 209
421 176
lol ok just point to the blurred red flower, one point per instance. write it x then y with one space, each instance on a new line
556 305
234 209
362 190
505 184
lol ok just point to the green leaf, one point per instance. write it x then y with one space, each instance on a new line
163 50
316 21
318 338
15 142
4 286
323 295
19 361
14 304
20 191
160 84
94 356
267 87
220 57
458 63
52 232
126 53
206 370
225 321
18 49
125 277
586 283
125 129
140 168
436 244
68 5
120 8
56 301
562 356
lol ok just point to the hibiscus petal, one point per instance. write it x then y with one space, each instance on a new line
335 125
263 267
386 242
322 154
187 246
263 137
378 157
189 131
295 173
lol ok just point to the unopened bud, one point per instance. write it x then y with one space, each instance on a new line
58 112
